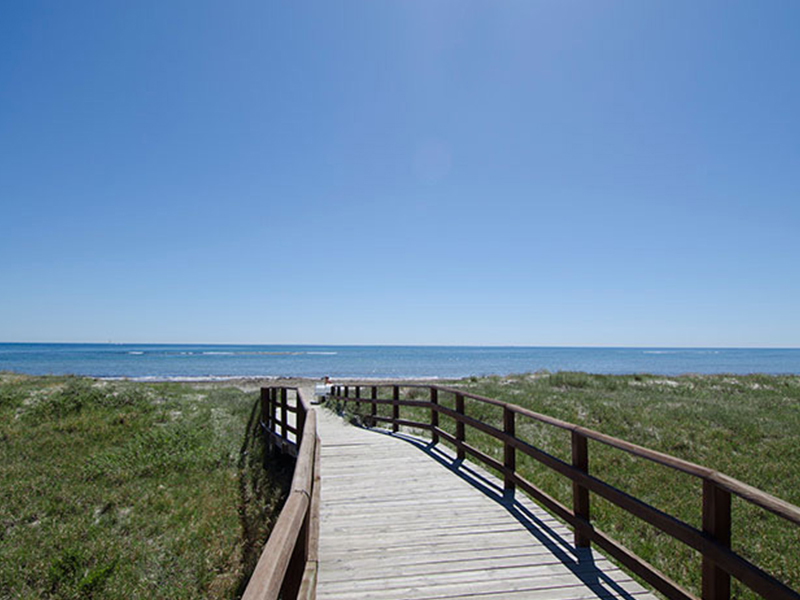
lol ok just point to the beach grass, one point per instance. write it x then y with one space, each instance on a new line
747 427
130 490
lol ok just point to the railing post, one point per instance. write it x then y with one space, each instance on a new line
395 408
460 437
716 525
374 405
509 452
267 438
300 419
434 415
273 422
346 392
284 414
580 495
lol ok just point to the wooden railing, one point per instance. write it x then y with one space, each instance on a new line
713 542
287 567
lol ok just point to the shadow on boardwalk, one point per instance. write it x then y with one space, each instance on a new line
580 561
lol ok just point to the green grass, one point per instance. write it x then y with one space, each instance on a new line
130 490
745 426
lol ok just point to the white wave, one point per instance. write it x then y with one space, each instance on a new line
323 353
190 378
680 351
136 353
220 353
388 378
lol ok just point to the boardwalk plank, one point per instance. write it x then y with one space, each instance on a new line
399 521
343 571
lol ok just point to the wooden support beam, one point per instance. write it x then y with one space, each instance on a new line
434 415
580 495
717 526
460 435
509 452
395 408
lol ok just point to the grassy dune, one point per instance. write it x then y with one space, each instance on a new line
129 490
745 426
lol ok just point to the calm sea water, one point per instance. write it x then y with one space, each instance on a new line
156 361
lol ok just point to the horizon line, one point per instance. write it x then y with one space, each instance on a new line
422 345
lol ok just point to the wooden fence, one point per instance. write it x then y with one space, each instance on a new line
287 567
713 542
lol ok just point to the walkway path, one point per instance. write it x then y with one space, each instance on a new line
398 521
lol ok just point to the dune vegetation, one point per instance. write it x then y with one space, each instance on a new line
130 490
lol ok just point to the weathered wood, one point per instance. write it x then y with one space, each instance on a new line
755 496
265 427
470 580
713 543
284 418
580 495
460 433
395 408
479 425
509 452
308 586
663 521
783 509
300 419
402 422
717 526
273 418
434 415
636 450
437 534
293 578
483 457
341 566
267 578
391 401
284 568
304 467
313 530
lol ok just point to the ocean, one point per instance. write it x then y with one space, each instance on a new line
185 361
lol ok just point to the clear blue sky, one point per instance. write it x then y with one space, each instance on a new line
527 173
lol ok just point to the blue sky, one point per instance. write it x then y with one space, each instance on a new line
516 173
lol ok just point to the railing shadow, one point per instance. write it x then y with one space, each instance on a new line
580 561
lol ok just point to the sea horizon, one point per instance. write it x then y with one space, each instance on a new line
186 361
424 345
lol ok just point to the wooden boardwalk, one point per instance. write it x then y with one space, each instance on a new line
398 520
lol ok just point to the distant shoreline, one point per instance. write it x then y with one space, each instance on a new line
145 362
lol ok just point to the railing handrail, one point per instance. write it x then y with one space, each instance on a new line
745 491
713 542
287 566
